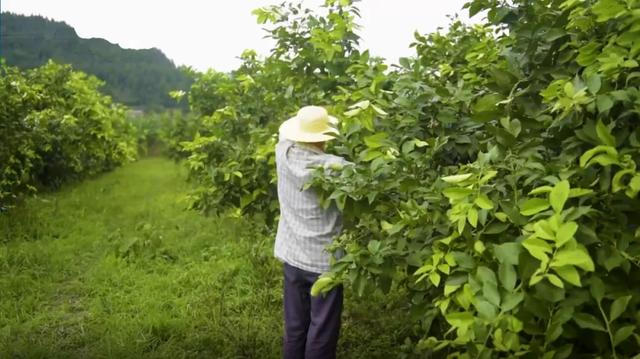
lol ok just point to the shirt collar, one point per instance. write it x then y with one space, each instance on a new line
308 147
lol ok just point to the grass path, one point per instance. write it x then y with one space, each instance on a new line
115 267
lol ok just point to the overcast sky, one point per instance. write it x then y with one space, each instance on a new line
211 34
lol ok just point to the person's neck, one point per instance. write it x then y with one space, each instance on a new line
318 145
315 145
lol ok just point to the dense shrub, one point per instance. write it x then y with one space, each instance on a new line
495 176
56 126
163 132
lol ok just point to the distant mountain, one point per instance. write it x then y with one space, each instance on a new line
137 78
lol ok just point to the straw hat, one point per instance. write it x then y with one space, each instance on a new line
311 124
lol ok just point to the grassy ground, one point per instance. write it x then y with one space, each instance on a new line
114 267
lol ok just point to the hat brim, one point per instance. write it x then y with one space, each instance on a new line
290 130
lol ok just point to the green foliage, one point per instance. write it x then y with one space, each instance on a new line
232 155
56 127
495 179
163 133
116 268
139 78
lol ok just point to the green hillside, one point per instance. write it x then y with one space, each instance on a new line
137 78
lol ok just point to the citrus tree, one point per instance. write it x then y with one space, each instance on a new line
56 126
495 177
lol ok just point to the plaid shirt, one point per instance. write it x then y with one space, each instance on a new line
305 228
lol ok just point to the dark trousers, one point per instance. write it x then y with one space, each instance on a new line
312 324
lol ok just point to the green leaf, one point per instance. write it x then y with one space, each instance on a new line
533 206
558 195
508 253
597 289
448 289
554 280
594 83
487 176
352 113
539 190
607 9
501 216
444 268
460 319
616 183
634 186
604 134
537 248
483 201
588 321
587 156
543 230
457 178
604 160
370 155
485 274
508 276
569 274
487 310
447 115
618 307
496 228
604 103
321 285
457 193
472 217
622 334
434 277
579 192
565 233
479 247
378 110
511 300
377 140
569 89
363 105
577 257
373 246
486 108
490 291
535 279
588 54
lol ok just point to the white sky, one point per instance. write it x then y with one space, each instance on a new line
211 34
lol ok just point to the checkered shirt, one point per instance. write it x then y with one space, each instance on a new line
305 228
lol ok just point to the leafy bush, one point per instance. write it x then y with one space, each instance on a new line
163 132
232 155
495 178
55 127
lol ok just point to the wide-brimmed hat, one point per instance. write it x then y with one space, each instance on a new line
311 124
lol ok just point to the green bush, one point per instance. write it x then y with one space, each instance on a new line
495 178
163 132
55 127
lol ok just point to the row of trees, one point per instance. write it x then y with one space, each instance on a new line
56 126
495 179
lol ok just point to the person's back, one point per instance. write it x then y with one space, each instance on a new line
312 324
305 228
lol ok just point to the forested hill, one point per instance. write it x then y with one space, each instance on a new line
137 78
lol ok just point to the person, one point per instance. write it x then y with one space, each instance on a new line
312 324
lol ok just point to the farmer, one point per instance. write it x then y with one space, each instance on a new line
312 324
